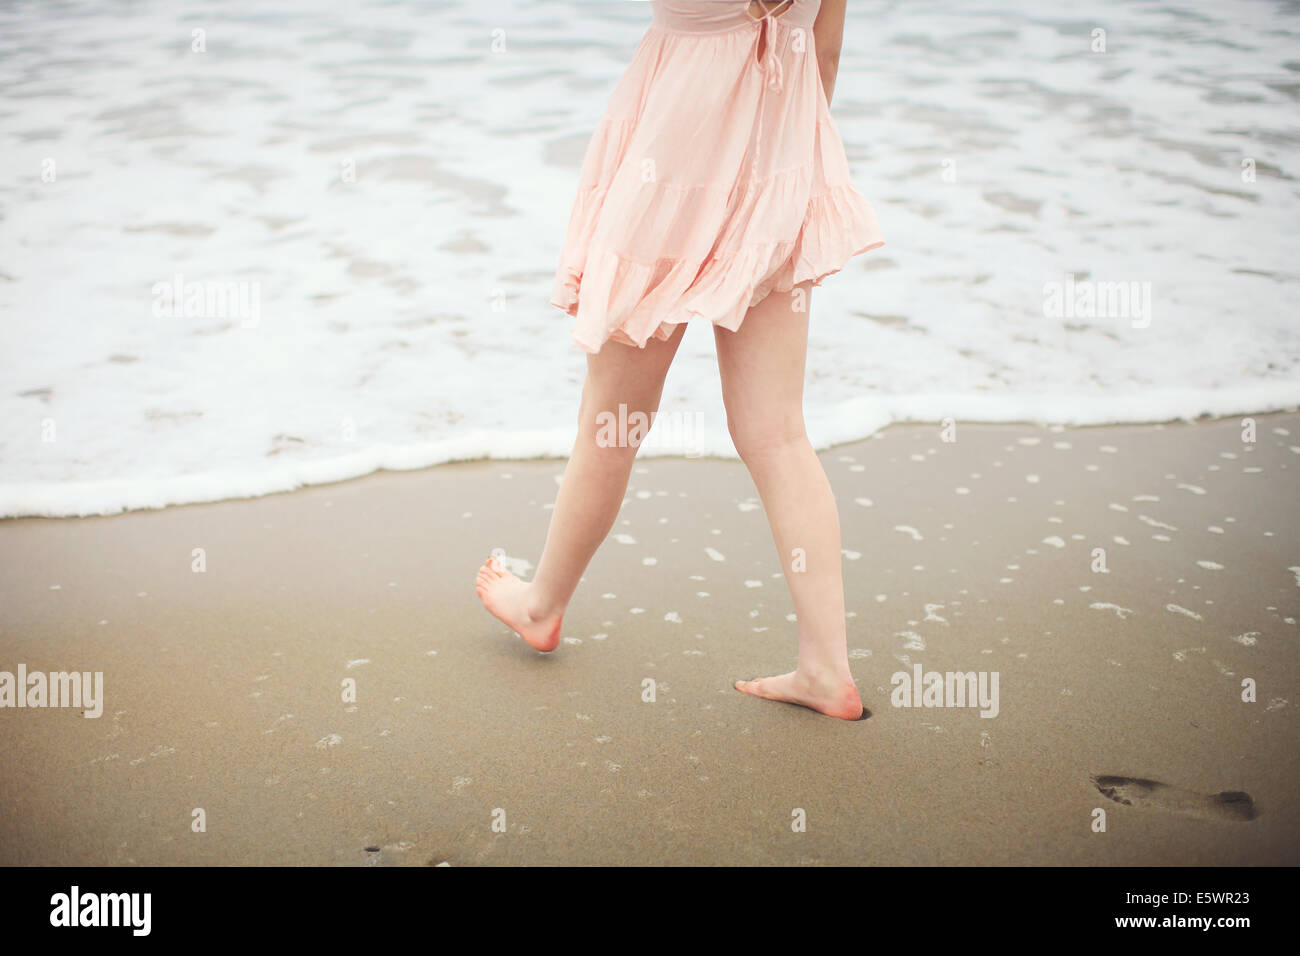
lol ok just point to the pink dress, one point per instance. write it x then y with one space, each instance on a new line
713 179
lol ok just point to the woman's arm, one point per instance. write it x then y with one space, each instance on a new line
828 36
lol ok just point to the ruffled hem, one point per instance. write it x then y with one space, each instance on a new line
613 297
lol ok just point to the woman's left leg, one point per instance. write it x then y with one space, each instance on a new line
591 491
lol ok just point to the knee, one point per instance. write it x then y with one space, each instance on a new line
613 436
762 436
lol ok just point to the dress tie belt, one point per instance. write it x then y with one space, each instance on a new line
774 75
771 62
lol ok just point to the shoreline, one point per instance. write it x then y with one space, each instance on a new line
129 495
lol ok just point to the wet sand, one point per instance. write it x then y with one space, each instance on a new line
224 688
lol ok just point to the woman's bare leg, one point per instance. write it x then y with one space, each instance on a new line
762 369
590 495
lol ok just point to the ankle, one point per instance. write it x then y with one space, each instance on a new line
539 607
825 674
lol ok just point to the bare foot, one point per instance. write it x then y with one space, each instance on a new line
835 697
505 597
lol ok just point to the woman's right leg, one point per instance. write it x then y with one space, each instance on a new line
590 495
762 368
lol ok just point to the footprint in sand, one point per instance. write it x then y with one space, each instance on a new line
391 854
1152 794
